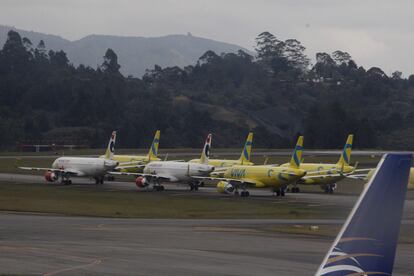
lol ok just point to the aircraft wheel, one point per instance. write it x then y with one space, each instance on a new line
282 192
278 193
246 193
162 188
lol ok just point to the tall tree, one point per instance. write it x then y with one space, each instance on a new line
294 51
341 57
110 64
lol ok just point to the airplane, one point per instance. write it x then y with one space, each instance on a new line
237 177
368 176
243 160
367 242
324 174
66 167
139 159
157 172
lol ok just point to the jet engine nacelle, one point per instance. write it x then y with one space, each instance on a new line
225 187
141 182
50 176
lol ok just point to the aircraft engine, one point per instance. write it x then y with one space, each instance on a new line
141 182
225 187
50 176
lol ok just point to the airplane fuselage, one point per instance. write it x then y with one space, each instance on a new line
325 170
85 166
265 176
219 163
177 171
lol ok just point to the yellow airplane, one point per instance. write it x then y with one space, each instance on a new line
263 176
367 177
324 174
220 163
134 160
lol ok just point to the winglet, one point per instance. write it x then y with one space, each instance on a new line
246 153
111 146
367 242
153 151
345 158
297 153
205 154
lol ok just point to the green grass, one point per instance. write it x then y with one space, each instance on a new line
94 201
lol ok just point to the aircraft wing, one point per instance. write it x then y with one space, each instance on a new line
232 181
154 176
129 167
67 171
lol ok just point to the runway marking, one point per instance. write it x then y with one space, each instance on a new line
223 229
95 262
56 254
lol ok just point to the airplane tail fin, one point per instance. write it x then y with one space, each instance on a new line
297 153
246 153
205 154
345 158
153 151
111 146
367 242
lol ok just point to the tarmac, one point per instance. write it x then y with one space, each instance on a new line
39 244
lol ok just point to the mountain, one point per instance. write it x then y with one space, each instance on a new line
135 54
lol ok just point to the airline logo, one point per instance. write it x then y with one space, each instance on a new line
246 151
340 262
207 146
238 173
112 142
298 148
367 243
154 146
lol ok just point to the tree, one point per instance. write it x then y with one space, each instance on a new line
376 72
341 57
397 75
58 58
110 64
325 65
14 52
294 51
268 46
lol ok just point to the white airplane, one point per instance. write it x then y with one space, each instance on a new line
156 172
66 167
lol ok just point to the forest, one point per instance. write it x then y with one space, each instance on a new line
277 93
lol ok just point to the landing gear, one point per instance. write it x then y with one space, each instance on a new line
295 190
65 180
329 189
110 178
279 192
244 193
194 185
159 188
99 180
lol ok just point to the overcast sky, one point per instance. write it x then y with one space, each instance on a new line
375 33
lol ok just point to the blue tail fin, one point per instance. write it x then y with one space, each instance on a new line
367 242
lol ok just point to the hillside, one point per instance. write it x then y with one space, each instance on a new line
135 54
278 95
